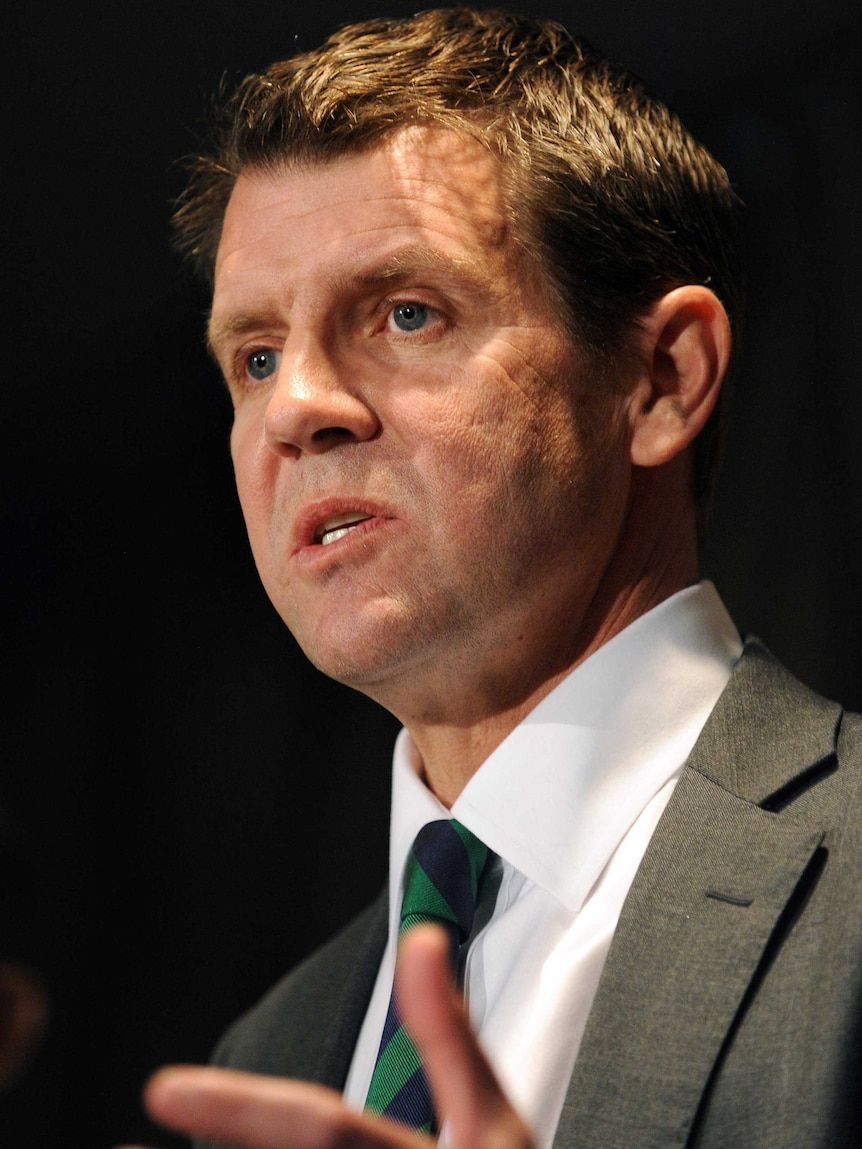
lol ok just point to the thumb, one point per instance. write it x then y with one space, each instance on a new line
467 1095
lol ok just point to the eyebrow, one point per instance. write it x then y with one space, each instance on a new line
412 260
222 331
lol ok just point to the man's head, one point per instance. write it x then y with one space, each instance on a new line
605 188
467 359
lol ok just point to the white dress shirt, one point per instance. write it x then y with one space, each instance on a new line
568 801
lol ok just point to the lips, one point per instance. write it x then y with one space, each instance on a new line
330 520
338 526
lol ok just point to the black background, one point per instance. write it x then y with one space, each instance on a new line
201 806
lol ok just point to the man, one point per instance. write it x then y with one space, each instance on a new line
471 298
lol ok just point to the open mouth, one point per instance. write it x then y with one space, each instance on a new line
338 526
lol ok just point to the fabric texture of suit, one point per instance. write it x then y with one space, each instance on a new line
729 1012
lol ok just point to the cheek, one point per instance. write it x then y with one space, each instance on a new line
254 472
486 467
461 468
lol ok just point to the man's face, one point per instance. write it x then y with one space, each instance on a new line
432 481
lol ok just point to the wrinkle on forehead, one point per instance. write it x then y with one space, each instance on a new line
421 161
440 152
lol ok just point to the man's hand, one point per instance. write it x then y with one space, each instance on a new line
255 1112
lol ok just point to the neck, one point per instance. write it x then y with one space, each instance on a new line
458 725
655 557
453 749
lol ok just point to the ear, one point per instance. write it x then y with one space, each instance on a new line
686 351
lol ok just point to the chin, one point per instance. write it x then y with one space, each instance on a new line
356 653
357 670
377 646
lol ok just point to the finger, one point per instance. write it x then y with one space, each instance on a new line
466 1092
255 1112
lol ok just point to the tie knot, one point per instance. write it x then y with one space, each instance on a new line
442 878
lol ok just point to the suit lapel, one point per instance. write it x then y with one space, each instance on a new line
706 901
342 1009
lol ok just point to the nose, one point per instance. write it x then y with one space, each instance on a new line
313 407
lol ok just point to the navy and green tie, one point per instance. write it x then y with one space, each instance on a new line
441 884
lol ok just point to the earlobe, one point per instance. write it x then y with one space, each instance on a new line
687 349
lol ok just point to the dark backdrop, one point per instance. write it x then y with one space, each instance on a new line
189 787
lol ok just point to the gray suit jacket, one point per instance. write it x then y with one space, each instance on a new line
729 1012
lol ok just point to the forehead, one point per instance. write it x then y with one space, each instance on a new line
428 185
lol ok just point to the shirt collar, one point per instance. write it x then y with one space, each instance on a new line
558 795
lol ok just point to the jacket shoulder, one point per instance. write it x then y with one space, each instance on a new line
306 1026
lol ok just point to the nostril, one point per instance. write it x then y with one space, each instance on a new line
329 433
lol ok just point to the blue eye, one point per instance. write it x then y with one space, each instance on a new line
261 364
410 316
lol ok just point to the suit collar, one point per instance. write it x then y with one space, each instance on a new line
767 732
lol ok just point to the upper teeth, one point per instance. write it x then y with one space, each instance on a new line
338 526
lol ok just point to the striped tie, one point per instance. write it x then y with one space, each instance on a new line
441 884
